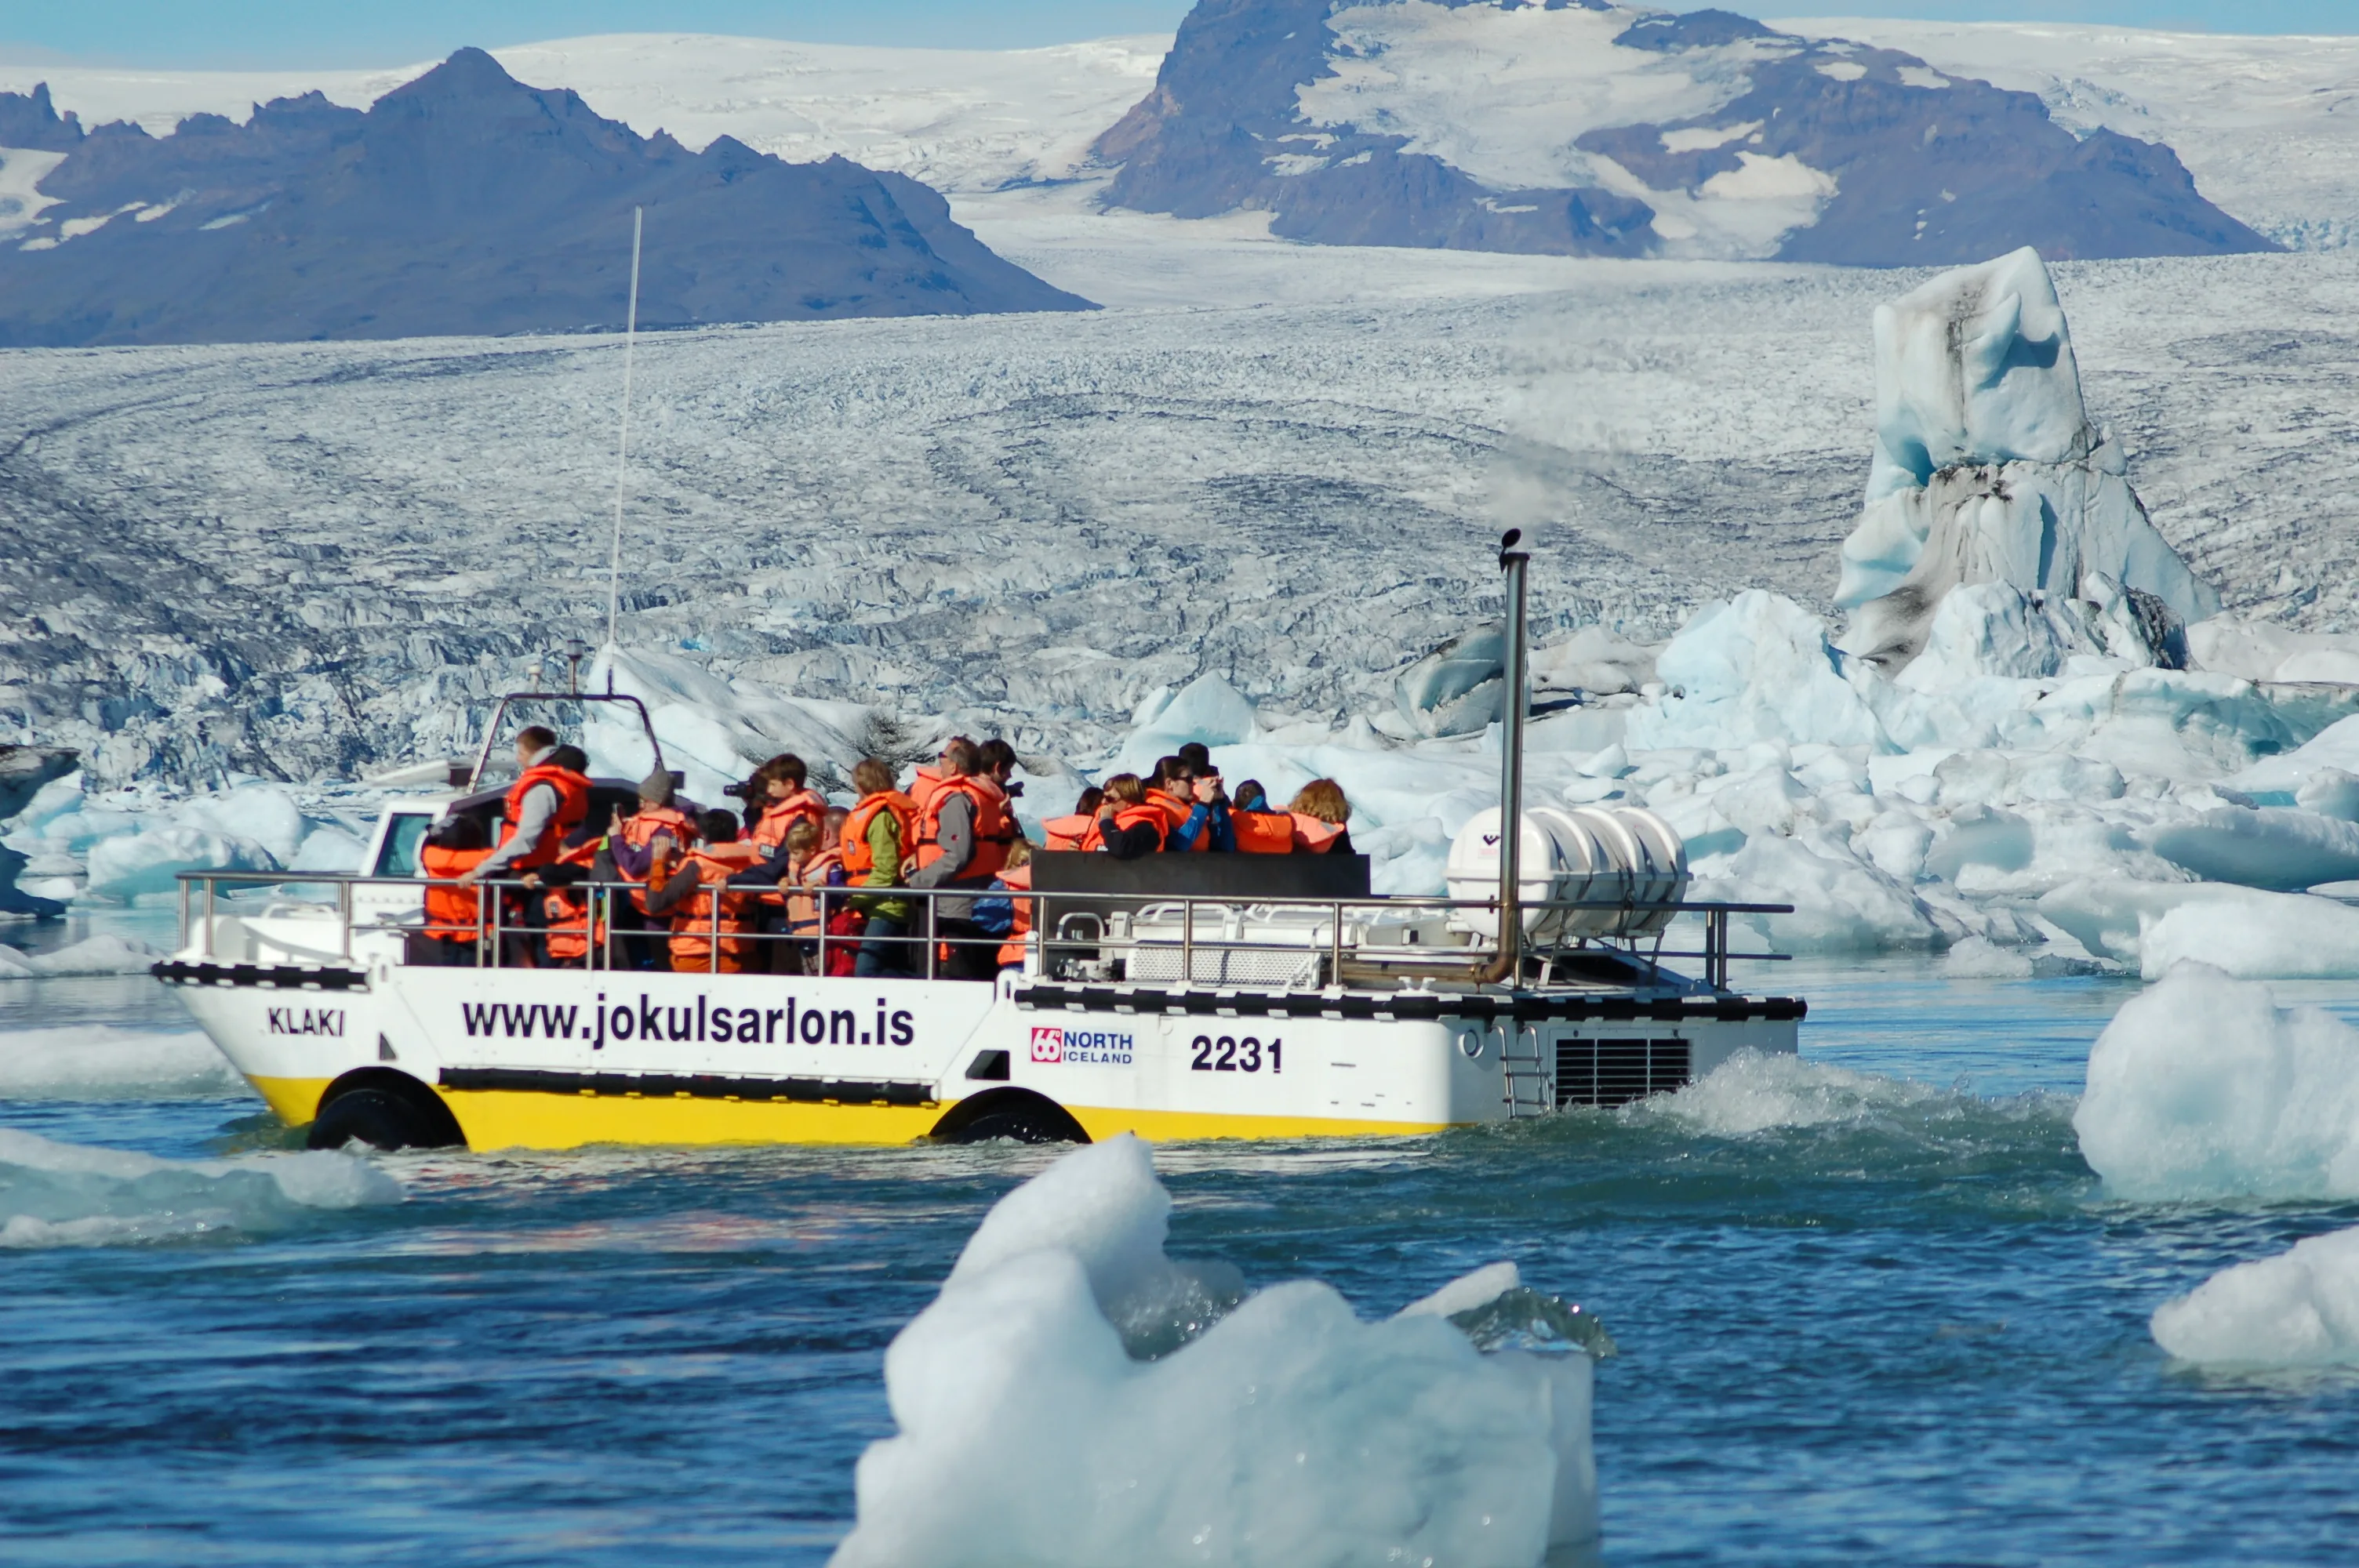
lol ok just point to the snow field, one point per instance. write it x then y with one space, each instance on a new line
2299 1308
67 1195
2202 1088
1073 1396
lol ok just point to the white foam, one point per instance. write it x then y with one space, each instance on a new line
1286 1432
94 1062
2299 1308
1756 1091
71 1195
2203 1086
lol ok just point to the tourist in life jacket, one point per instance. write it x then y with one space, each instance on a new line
875 834
1195 806
1128 825
1016 879
1079 830
1319 813
694 893
631 847
1260 829
964 828
453 914
548 800
777 797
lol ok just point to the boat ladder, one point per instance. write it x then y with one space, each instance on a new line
1524 1071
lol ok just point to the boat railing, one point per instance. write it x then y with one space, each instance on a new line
1222 941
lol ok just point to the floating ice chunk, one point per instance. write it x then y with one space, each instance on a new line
2267 848
2299 1308
1593 660
52 800
2335 747
1987 471
2329 792
1979 958
1286 1432
1756 667
1207 709
256 813
2203 1086
2265 936
328 849
1456 689
2259 652
1841 904
104 953
69 1195
149 861
2109 916
86 1062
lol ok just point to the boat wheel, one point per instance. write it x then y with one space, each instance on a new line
384 1110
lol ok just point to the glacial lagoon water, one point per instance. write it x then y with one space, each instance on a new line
1873 1307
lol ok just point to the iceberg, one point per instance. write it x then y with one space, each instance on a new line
1460 688
1988 470
2299 1308
1756 667
2203 1088
71 1195
1075 1397
2281 936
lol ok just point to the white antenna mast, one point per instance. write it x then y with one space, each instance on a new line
622 446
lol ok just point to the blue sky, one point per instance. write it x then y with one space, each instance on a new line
190 33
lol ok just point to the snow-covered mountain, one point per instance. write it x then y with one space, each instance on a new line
462 201
2268 125
1586 127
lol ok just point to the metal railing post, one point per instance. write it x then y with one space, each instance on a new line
930 937
822 931
487 953
209 917
344 914
1335 948
182 945
1188 941
713 959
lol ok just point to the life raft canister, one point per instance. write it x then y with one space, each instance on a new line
572 811
1074 832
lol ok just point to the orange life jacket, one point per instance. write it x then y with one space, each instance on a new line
1019 879
1176 812
778 817
639 828
1130 817
1313 836
995 826
453 913
857 861
802 904
692 919
566 913
1070 832
572 811
923 786
1264 832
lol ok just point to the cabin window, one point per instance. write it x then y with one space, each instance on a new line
400 855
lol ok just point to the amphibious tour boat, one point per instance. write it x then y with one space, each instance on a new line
1175 996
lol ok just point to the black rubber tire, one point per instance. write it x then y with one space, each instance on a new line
381 1118
1020 1115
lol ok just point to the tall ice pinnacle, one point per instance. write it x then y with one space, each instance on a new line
1988 470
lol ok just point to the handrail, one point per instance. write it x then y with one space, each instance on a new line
494 932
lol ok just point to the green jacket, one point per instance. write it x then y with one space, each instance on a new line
885 852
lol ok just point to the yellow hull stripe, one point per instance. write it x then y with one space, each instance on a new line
508 1118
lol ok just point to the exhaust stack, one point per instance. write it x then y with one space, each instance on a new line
1515 564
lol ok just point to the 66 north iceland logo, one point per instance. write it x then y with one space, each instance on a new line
1080 1047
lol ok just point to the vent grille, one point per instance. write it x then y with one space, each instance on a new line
1615 1072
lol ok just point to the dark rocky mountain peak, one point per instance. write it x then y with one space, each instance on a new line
465 202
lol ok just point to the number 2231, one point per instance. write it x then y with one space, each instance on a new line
1230 1054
